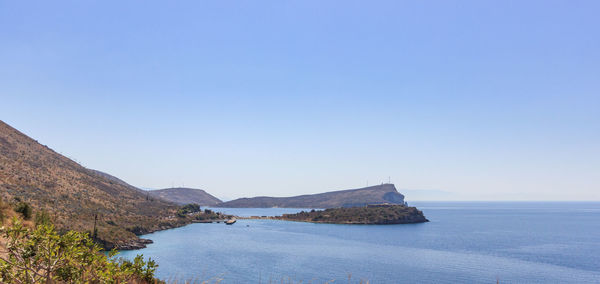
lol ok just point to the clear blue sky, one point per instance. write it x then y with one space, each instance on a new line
487 100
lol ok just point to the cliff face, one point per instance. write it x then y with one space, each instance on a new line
73 195
183 196
385 193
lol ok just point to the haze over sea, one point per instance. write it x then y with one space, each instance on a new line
465 242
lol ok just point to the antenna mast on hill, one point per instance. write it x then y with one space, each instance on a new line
389 179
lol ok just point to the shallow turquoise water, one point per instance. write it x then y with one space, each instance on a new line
472 242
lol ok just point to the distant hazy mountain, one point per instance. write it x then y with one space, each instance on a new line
385 193
182 195
74 195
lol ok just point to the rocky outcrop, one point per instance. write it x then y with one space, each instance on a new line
368 215
133 244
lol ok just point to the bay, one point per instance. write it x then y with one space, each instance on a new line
465 242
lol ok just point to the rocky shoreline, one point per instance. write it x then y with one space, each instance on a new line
140 243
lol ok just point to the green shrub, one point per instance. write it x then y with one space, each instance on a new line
188 209
42 255
25 209
42 218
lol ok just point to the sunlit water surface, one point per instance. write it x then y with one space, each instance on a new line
465 242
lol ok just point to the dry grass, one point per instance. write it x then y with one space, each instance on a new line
74 195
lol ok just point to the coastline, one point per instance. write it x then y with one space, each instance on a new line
279 218
141 243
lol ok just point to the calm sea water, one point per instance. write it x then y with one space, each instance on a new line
465 242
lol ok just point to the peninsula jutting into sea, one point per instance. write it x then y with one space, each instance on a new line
83 199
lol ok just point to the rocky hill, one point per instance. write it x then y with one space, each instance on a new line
183 195
385 193
73 195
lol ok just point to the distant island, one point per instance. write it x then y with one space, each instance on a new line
183 195
384 193
383 214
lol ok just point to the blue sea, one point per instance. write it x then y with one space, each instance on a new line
465 242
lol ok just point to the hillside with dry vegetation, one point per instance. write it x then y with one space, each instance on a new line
72 196
184 195
384 193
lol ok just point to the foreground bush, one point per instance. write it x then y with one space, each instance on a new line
42 255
